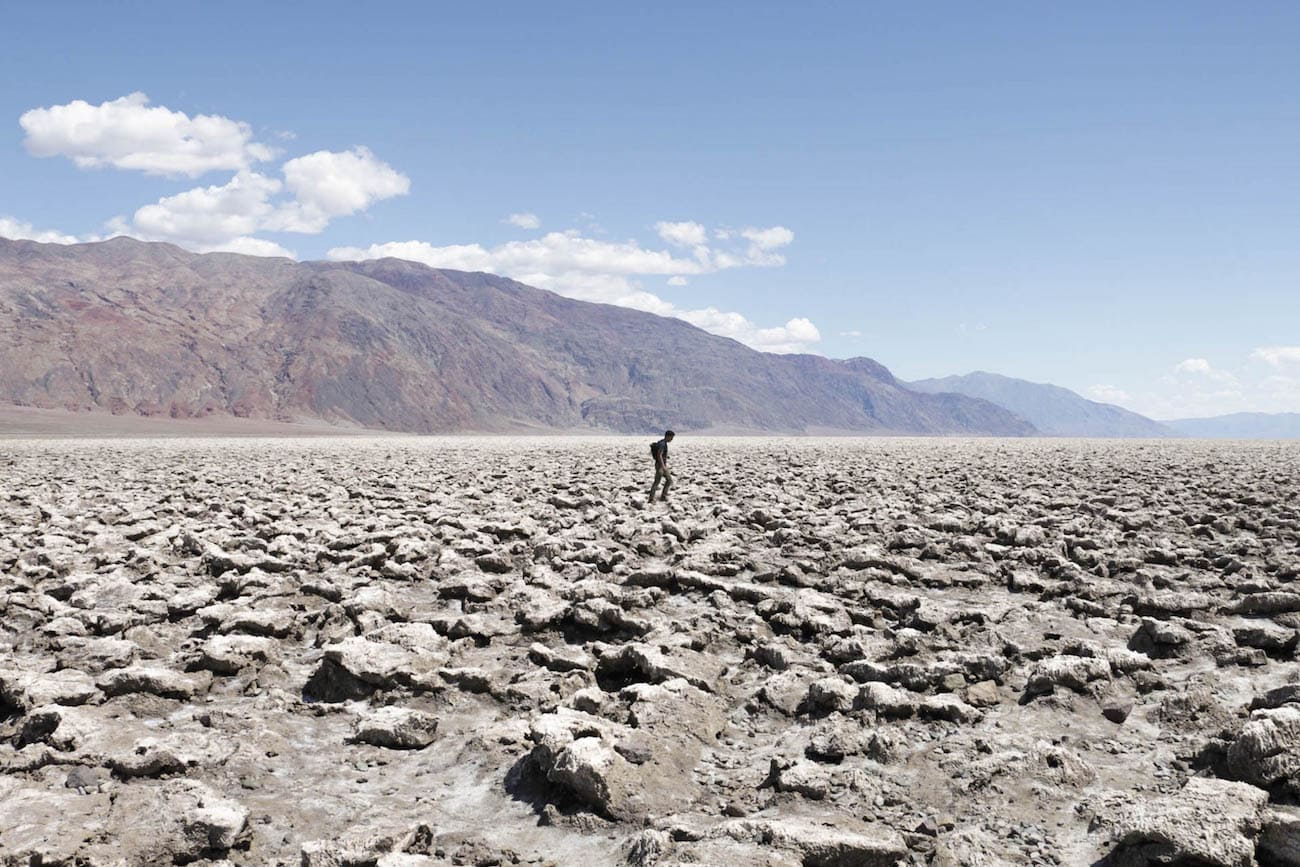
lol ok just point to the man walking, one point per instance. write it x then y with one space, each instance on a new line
659 451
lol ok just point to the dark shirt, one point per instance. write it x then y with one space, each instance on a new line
660 451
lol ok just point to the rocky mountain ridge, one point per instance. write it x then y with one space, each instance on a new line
1053 410
150 329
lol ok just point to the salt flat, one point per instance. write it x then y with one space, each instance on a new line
406 651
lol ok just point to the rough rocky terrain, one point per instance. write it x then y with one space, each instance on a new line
139 329
827 653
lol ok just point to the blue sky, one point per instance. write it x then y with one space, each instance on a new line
1099 195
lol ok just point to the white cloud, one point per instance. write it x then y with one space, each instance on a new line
559 257
324 185
1200 368
128 133
678 280
210 216
1107 393
605 272
329 184
768 239
1196 388
524 221
795 336
1277 356
458 257
685 234
250 247
764 243
851 333
18 230
1193 365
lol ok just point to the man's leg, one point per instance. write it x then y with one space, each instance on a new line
668 481
658 476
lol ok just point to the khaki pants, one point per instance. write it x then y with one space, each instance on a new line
667 477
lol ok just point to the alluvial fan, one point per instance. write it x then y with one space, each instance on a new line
407 651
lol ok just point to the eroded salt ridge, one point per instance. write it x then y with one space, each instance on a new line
828 652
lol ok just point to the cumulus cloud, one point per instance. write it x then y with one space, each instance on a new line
763 244
129 133
458 257
1277 356
556 258
1200 368
769 239
206 216
1195 387
1193 365
18 230
329 184
564 253
524 221
605 271
319 188
1107 393
678 280
250 247
685 234
795 336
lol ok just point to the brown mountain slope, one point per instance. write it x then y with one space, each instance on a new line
152 329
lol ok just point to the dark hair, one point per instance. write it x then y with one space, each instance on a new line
669 434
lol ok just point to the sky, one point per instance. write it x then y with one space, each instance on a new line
1105 196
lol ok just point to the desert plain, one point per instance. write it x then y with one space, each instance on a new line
822 653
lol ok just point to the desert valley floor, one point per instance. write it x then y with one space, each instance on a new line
827 653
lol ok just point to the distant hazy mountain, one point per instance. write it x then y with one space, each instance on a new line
1055 411
153 330
1241 426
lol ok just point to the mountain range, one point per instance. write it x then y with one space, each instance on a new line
1057 411
1053 410
1241 425
150 329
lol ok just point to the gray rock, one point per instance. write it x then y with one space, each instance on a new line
1267 636
1117 710
1210 822
356 667
1279 839
642 662
396 728
843 843
886 700
231 654
26 690
155 680
1072 672
983 694
1267 751
831 694
85 780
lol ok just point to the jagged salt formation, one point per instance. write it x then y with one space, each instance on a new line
457 651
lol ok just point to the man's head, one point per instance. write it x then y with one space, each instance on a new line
668 435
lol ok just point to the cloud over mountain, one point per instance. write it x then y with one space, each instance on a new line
592 269
153 329
309 192
129 133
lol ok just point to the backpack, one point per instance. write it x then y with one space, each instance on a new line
654 449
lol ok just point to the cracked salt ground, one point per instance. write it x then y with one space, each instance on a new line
410 651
